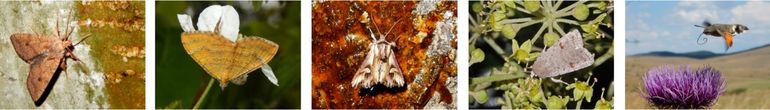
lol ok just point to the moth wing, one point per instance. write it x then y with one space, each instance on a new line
252 53
28 46
395 76
565 56
42 75
212 52
728 40
364 73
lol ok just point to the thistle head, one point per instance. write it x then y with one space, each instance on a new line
670 87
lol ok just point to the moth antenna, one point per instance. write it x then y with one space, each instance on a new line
58 34
84 39
703 39
67 30
375 26
391 27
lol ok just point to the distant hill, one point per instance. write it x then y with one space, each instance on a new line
696 54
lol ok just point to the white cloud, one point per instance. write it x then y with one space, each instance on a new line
696 11
751 13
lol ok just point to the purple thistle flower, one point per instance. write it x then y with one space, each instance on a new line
670 87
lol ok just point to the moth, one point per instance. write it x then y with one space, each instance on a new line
563 57
379 65
47 56
221 51
726 31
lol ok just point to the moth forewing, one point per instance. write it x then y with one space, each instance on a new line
565 56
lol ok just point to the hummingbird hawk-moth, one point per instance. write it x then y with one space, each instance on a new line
726 31
379 65
47 56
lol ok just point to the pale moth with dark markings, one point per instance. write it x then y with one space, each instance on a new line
567 55
380 65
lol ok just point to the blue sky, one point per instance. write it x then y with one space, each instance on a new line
668 25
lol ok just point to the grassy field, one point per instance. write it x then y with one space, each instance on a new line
747 76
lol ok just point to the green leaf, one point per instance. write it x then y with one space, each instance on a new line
509 32
551 38
580 12
532 6
477 55
477 7
480 96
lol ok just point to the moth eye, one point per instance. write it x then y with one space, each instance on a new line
561 45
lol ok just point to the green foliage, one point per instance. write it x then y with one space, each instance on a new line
521 24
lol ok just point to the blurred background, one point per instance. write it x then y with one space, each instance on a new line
180 81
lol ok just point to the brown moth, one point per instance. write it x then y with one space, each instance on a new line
567 55
47 58
380 65
221 51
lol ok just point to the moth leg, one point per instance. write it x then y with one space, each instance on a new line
558 81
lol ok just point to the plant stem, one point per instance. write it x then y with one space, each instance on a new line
577 107
205 93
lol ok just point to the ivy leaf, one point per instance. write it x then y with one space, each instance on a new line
532 6
550 39
477 55
580 12
509 32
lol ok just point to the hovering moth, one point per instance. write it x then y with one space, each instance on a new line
563 57
222 51
380 65
726 31
47 56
